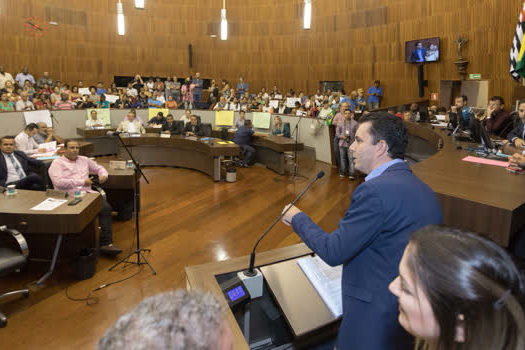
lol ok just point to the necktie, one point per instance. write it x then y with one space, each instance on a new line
19 171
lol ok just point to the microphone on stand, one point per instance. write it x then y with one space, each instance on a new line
54 118
252 278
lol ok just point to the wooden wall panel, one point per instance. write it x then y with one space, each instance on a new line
351 40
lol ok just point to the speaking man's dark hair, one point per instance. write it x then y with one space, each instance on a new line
391 129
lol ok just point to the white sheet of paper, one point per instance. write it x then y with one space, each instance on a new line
48 146
290 101
274 103
278 97
111 98
38 116
49 204
440 117
84 91
165 136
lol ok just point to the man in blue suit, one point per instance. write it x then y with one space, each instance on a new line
370 239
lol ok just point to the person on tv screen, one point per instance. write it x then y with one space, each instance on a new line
419 54
432 53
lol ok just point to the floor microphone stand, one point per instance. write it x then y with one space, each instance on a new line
138 252
295 167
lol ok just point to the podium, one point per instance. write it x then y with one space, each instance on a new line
305 315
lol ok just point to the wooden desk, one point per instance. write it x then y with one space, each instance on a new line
80 220
479 198
202 277
270 149
120 190
178 151
102 143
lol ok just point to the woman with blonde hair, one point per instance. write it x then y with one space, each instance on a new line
459 291
279 128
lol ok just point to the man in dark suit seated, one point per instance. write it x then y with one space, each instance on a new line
385 210
157 120
171 127
15 167
243 137
193 128
418 54
517 135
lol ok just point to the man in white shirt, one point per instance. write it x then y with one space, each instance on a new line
24 104
5 77
131 125
23 76
186 117
15 167
25 142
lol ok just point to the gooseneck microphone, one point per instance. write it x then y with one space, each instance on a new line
251 272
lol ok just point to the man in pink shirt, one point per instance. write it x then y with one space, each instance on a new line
71 172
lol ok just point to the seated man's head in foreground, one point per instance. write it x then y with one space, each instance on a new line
178 320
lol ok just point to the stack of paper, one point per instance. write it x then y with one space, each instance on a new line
326 281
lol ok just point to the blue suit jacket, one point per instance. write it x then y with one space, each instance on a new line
516 132
369 242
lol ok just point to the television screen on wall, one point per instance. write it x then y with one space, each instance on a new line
422 50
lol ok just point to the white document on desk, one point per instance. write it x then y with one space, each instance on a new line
326 281
49 204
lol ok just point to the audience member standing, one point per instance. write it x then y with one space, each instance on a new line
375 94
346 134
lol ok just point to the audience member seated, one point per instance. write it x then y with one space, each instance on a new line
29 89
70 173
15 167
23 76
517 135
131 125
171 103
186 117
5 104
93 96
24 104
153 102
64 104
74 95
41 101
325 111
497 120
240 122
157 120
193 128
5 77
456 290
417 114
345 132
244 138
172 127
25 141
46 134
181 320
279 128
102 103
221 105
93 120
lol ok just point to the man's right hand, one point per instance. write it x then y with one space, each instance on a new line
454 109
88 182
519 143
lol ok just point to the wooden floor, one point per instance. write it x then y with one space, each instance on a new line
186 219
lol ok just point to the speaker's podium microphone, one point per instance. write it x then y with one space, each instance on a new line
252 278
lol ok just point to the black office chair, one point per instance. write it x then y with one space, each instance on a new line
206 129
12 259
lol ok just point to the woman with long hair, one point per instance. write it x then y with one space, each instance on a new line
459 291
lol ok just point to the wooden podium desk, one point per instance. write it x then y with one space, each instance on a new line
178 151
102 143
203 277
270 149
80 221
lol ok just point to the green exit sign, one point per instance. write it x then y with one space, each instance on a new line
474 76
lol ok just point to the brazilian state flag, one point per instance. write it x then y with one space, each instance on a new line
517 51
